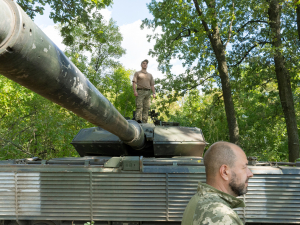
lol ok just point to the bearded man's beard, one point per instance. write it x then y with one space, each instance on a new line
238 189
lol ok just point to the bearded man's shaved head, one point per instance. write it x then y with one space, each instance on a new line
218 154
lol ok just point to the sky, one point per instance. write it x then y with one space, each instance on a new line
128 16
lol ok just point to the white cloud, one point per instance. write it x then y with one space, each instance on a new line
177 67
137 48
53 33
106 14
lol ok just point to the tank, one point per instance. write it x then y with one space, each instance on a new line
128 173
24 49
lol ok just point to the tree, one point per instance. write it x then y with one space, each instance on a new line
298 17
31 125
268 40
197 33
117 87
252 40
283 78
96 55
69 13
260 117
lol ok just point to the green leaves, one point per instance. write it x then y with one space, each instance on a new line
245 28
70 14
260 117
102 42
33 126
101 66
89 223
116 86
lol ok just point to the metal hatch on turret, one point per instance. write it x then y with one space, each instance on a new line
178 141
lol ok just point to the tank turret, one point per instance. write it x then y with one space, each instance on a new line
30 58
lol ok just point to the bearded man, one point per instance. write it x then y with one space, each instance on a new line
227 176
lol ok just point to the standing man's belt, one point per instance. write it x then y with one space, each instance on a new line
143 89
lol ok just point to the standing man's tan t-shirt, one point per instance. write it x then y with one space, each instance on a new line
143 80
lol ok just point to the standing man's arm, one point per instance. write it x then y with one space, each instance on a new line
134 89
134 81
153 91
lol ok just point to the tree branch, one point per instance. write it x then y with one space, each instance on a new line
298 19
179 35
67 6
17 146
3 116
177 38
251 21
197 84
28 8
211 4
20 118
199 11
249 50
218 99
230 29
19 132
99 58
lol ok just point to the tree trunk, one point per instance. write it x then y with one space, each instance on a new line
298 19
219 50
283 79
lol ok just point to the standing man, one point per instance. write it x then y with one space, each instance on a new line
227 177
145 83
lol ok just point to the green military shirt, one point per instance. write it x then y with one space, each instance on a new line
210 206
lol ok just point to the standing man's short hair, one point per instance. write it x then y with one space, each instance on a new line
146 60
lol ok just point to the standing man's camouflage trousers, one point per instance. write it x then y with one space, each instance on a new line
142 102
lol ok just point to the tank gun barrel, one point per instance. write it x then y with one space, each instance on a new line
30 58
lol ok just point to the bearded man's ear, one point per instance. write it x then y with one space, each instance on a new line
225 172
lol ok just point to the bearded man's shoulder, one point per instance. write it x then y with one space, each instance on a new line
215 213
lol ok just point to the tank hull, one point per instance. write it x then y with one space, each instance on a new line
134 189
